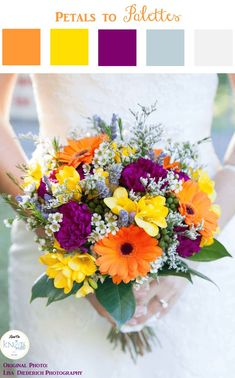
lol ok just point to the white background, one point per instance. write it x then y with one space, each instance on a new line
196 14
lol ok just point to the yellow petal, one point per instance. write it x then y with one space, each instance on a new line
78 276
84 290
111 202
67 272
161 222
120 193
60 281
150 228
216 209
206 242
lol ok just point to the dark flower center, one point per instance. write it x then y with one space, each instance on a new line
126 248
81 153
189 210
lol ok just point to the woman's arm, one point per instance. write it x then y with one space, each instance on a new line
11 153
225 180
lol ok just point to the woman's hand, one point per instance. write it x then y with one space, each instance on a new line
154 299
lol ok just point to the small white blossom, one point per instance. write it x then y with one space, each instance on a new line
48 230
7 223
110 217
174 184
29 189
134 196
94 237
140 281
112 228
55 218
175 219
101 228
54 227
156 265
96 218
41 241
30 224
103 156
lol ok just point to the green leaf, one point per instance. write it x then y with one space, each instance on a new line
212 252
173 272
120 126
44 288
41 287
199 274
118 300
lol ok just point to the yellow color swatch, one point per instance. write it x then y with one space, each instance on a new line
69 47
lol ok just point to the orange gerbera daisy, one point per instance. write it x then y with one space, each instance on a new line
127 254
197 207
168 165
157 151
81 150
167 160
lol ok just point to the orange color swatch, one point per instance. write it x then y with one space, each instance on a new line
21 47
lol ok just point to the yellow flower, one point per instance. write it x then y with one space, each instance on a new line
69 177
84 290
100 172
150 212
34 175
123 151
57 246
67 269
205 183
120 201
205 242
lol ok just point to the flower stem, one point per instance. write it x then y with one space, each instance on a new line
136 343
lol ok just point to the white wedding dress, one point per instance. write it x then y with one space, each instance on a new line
197 336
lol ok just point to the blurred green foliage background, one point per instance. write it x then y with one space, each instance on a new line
223 128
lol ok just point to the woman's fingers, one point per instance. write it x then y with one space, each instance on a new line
154 308
163 297
146 292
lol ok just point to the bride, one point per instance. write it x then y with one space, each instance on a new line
196 329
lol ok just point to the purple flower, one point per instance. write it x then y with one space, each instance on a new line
75 226
132 173
81 172
182 176
42 189
187 247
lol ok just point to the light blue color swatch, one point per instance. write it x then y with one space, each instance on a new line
165 48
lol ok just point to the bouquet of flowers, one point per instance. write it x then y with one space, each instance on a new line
114 213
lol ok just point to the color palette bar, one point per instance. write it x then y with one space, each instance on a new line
213 47
165 48
118 47
21 47
69 47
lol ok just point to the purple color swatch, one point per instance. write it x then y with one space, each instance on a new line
117 47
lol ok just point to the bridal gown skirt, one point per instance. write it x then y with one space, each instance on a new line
197 336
